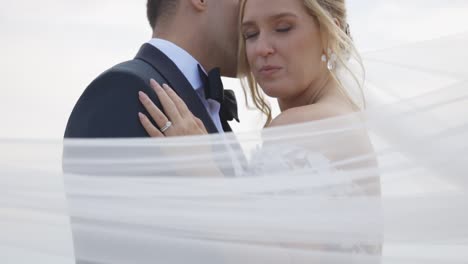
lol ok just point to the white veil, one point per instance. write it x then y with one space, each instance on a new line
387 185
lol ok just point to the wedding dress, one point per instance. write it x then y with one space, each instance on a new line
305 193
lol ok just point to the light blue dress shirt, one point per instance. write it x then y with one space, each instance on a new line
188 65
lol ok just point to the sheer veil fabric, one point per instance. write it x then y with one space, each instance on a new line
386 185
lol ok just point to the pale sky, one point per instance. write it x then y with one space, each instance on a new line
51 50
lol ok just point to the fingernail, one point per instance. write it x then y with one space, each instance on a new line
141 94
165 86
155 84
140 115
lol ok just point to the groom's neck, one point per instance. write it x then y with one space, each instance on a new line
191 41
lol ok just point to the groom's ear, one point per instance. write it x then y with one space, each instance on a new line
200 5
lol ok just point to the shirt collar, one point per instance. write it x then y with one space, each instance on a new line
186 63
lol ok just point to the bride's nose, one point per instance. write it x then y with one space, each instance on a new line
264 46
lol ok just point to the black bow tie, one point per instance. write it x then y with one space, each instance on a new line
213 87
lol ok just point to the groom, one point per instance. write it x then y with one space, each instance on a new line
190 37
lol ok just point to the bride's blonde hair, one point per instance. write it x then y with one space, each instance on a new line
332 19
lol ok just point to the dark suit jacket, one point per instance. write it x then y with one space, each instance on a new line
109 106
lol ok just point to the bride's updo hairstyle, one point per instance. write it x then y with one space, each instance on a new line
331 16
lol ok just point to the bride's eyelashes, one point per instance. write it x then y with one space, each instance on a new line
250 34
252 31
283 29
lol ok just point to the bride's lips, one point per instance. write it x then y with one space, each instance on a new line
269 70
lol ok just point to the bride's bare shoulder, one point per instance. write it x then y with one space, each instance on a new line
309 113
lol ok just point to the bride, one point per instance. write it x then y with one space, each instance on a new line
297 52
294 50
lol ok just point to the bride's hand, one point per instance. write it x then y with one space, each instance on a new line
179 120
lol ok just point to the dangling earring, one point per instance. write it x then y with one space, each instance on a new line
324 58
331 63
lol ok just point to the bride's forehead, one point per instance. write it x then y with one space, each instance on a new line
256 9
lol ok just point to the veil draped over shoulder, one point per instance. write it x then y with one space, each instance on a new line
386 185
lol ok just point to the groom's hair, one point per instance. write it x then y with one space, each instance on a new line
157 10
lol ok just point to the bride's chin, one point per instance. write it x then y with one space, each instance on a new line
271 93
271 89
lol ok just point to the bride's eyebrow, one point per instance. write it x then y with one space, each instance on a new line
281 15
272 18
247 24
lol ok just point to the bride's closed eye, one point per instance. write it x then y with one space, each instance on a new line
283 30
283 27
250 34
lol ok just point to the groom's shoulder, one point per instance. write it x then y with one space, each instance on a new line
118 85
111 99
132 69
122 78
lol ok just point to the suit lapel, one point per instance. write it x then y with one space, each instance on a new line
176 79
